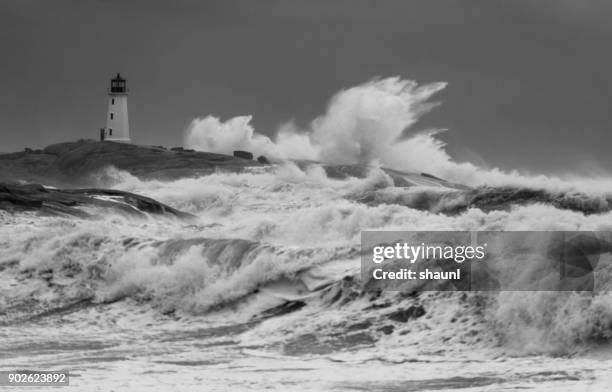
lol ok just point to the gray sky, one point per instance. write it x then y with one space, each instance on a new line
529 81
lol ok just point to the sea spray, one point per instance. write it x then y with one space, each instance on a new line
374 121
281 224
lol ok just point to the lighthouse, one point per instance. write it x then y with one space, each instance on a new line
117 124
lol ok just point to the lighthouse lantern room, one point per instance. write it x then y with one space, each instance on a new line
117 124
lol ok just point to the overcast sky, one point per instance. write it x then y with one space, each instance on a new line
529 81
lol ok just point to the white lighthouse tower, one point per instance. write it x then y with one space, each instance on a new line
117 124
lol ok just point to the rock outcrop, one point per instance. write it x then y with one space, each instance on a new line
73 164
263 160
82 203
243 155
77 164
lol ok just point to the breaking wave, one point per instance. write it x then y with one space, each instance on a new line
369 123
289 235
284 239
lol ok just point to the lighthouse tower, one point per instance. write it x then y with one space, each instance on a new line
117 125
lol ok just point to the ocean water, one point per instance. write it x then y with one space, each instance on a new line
262 291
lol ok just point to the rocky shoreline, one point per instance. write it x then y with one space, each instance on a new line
81 203
67 179
77 163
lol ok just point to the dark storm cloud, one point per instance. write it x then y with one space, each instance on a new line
528 81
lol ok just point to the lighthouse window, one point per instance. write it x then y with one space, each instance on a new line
112 115
110 131
112 101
